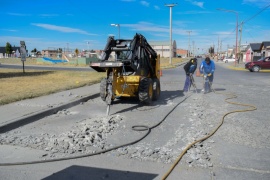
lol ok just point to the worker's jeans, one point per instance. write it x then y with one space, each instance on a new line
187 83
208 81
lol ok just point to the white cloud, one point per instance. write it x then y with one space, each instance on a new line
145 26
48 15
153 28
200 4
18 14
45 43
225 33
157 7
195 12
196 3
61 28
144 3
10 30
15 40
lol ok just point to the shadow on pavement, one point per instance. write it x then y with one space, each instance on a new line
82 172
165 96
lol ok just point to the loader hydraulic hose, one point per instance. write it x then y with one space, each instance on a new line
230 96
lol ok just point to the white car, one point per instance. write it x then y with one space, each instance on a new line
226 60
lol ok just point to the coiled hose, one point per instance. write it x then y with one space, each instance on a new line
231 96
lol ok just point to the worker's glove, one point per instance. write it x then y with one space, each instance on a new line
209 74
201 75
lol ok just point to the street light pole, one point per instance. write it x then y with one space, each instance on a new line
170 6
117 25
88 46
189 43
236 32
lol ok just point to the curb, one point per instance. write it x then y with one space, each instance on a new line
41 114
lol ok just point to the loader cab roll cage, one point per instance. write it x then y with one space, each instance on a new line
134 55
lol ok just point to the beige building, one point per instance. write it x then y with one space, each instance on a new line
182 53
50 53
163 48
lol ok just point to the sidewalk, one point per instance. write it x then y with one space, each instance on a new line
23 112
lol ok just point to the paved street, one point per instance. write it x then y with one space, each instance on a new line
238 150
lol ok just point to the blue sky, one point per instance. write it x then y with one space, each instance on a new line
86 24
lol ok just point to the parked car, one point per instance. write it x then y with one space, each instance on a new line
256 66
220 58
226 60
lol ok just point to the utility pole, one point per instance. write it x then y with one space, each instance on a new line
117 25
240 39
189 42
218 47
170 6
67 49
221 45
88 46
213 49
236 29
193 52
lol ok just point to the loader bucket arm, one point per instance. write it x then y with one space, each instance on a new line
107 50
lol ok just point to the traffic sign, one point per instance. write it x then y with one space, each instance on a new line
23 51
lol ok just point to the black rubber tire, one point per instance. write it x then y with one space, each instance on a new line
103 89
146 90
255 68
156 89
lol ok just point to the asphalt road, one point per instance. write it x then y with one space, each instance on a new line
238 150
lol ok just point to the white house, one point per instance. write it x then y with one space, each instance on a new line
163 48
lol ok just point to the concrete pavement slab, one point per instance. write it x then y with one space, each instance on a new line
25 111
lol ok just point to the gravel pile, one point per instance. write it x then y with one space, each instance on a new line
202 117
88 136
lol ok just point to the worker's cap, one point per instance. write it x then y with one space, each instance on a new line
193 60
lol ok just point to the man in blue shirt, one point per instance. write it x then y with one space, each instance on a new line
207 68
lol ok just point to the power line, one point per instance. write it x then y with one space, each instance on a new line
257 13
250 19
244 22
189 42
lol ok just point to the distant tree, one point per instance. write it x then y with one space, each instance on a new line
8 48
211 50
34 50
77 51
92 51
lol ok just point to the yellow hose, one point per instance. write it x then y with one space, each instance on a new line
231 96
